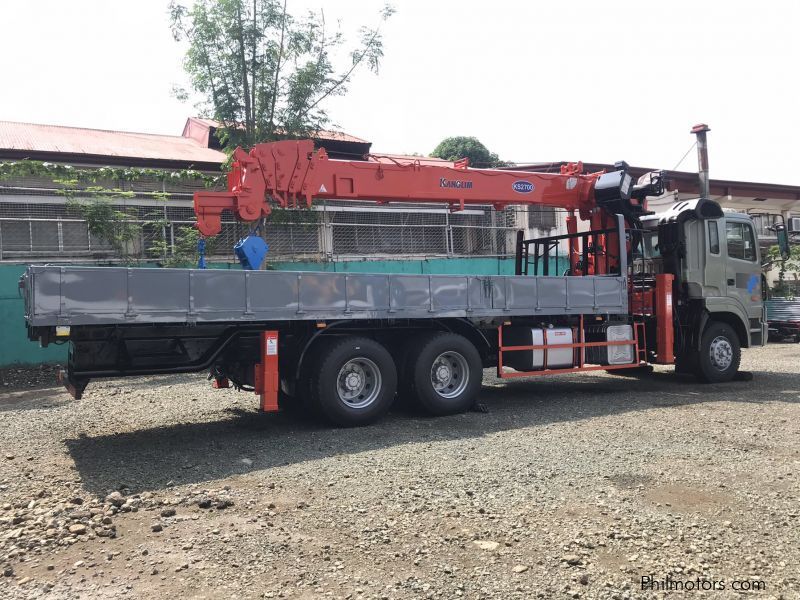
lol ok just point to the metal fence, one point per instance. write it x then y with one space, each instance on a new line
37 223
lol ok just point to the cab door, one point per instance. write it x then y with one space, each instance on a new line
743 269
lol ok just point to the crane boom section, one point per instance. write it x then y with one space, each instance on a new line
293 174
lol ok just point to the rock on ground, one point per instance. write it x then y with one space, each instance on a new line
569 487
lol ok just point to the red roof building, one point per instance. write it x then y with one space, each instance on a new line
197 147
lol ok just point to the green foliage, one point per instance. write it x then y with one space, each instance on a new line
264 73
184 253
100 206
456 148
70 176
301 215
791 264
108 222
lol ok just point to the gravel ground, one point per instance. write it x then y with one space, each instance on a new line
16 378
569 487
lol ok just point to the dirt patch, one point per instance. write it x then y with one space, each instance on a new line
685 498
569 487
26 378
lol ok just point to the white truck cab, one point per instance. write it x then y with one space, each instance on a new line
714 255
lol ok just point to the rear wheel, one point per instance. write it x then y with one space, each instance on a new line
444 373
719 355
354 381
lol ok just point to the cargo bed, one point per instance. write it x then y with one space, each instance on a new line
115 295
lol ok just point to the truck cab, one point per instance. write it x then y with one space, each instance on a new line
713 254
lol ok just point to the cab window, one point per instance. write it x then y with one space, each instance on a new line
740 240
650 245
713 237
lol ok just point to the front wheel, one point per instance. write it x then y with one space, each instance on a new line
720 353
445 373
354 381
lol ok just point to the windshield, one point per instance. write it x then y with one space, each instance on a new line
650 245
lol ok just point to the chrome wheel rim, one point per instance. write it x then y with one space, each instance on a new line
721 353
449 374
358 382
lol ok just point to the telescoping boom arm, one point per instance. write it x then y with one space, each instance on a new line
293 174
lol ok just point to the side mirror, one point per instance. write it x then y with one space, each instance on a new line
783 241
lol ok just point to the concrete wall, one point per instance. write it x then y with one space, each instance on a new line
433 266
15 348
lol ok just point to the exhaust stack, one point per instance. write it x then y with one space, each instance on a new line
702 158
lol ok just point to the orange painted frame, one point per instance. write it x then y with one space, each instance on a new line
665 331
267 376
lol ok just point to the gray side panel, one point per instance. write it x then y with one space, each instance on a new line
162 292
367 292
410 293
226 292
322 292
553 292
609 293
580 294
450 293
96 295
277 294
523 293
44 291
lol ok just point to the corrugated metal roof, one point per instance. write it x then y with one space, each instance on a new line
190 148
32 137
768 197
409 159
339 136
322 134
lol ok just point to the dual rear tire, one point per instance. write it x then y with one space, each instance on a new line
442 373
353 380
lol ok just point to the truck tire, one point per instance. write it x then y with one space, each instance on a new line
354 381
720 353
445 373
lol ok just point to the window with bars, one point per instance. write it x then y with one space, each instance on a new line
542 217
49 231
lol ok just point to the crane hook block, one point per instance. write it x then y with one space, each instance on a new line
250 251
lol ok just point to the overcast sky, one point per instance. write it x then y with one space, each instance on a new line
535 81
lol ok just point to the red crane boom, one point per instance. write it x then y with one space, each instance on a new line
292 173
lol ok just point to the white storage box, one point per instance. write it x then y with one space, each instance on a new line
533 360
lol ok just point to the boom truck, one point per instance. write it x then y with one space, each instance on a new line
680 287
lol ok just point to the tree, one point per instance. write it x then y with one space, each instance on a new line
265 74
791 264
455 148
